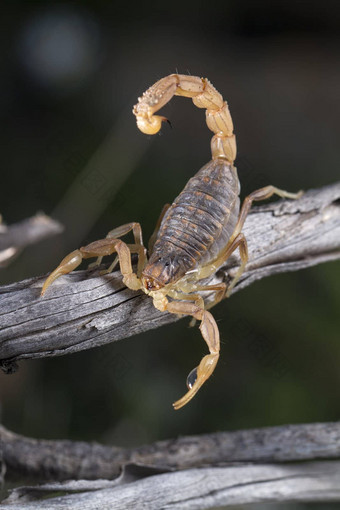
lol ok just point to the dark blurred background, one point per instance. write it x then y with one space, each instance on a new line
71 73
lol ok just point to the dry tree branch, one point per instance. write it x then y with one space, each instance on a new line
14 238
84 310
193 489
225 468
44 460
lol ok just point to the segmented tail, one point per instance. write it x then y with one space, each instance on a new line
204 95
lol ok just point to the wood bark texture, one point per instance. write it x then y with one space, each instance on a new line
84 310
226 468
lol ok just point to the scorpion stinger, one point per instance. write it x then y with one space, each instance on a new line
195 235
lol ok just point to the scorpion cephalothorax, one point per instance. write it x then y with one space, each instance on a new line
195 235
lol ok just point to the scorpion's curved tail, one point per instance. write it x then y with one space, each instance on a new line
204 95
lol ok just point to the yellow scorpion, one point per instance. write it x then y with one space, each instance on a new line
194 235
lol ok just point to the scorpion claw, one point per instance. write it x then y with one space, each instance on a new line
68 264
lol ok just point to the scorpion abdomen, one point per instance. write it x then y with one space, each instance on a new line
200 220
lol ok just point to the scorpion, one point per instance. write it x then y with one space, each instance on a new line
194 235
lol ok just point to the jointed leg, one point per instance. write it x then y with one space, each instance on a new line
119 232
181 296
210 333
238 240
187 289
255 196
100 248
219 289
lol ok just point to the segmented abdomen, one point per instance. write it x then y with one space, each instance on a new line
203 217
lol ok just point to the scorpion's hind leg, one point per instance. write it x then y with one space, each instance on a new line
237 239
210 333
255 196
101 248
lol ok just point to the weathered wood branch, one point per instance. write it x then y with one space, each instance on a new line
84 310
14 238
194 472
194 489
48 460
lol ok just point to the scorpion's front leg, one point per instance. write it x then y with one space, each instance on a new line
210 333
119 232
100 248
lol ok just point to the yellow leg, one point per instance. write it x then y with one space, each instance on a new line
109 269
122 231
238 240
255 196
219 288
210 333
182 296
100 248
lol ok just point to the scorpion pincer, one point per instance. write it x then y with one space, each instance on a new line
195 235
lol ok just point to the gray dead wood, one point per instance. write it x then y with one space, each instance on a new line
195 489
14 238
227 468
84 310
45 460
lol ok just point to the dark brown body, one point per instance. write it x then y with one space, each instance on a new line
198 224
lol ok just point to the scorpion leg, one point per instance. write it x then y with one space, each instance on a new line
260 194
235 242
100 248
122 231
255 196
219 288
238 240
210 333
